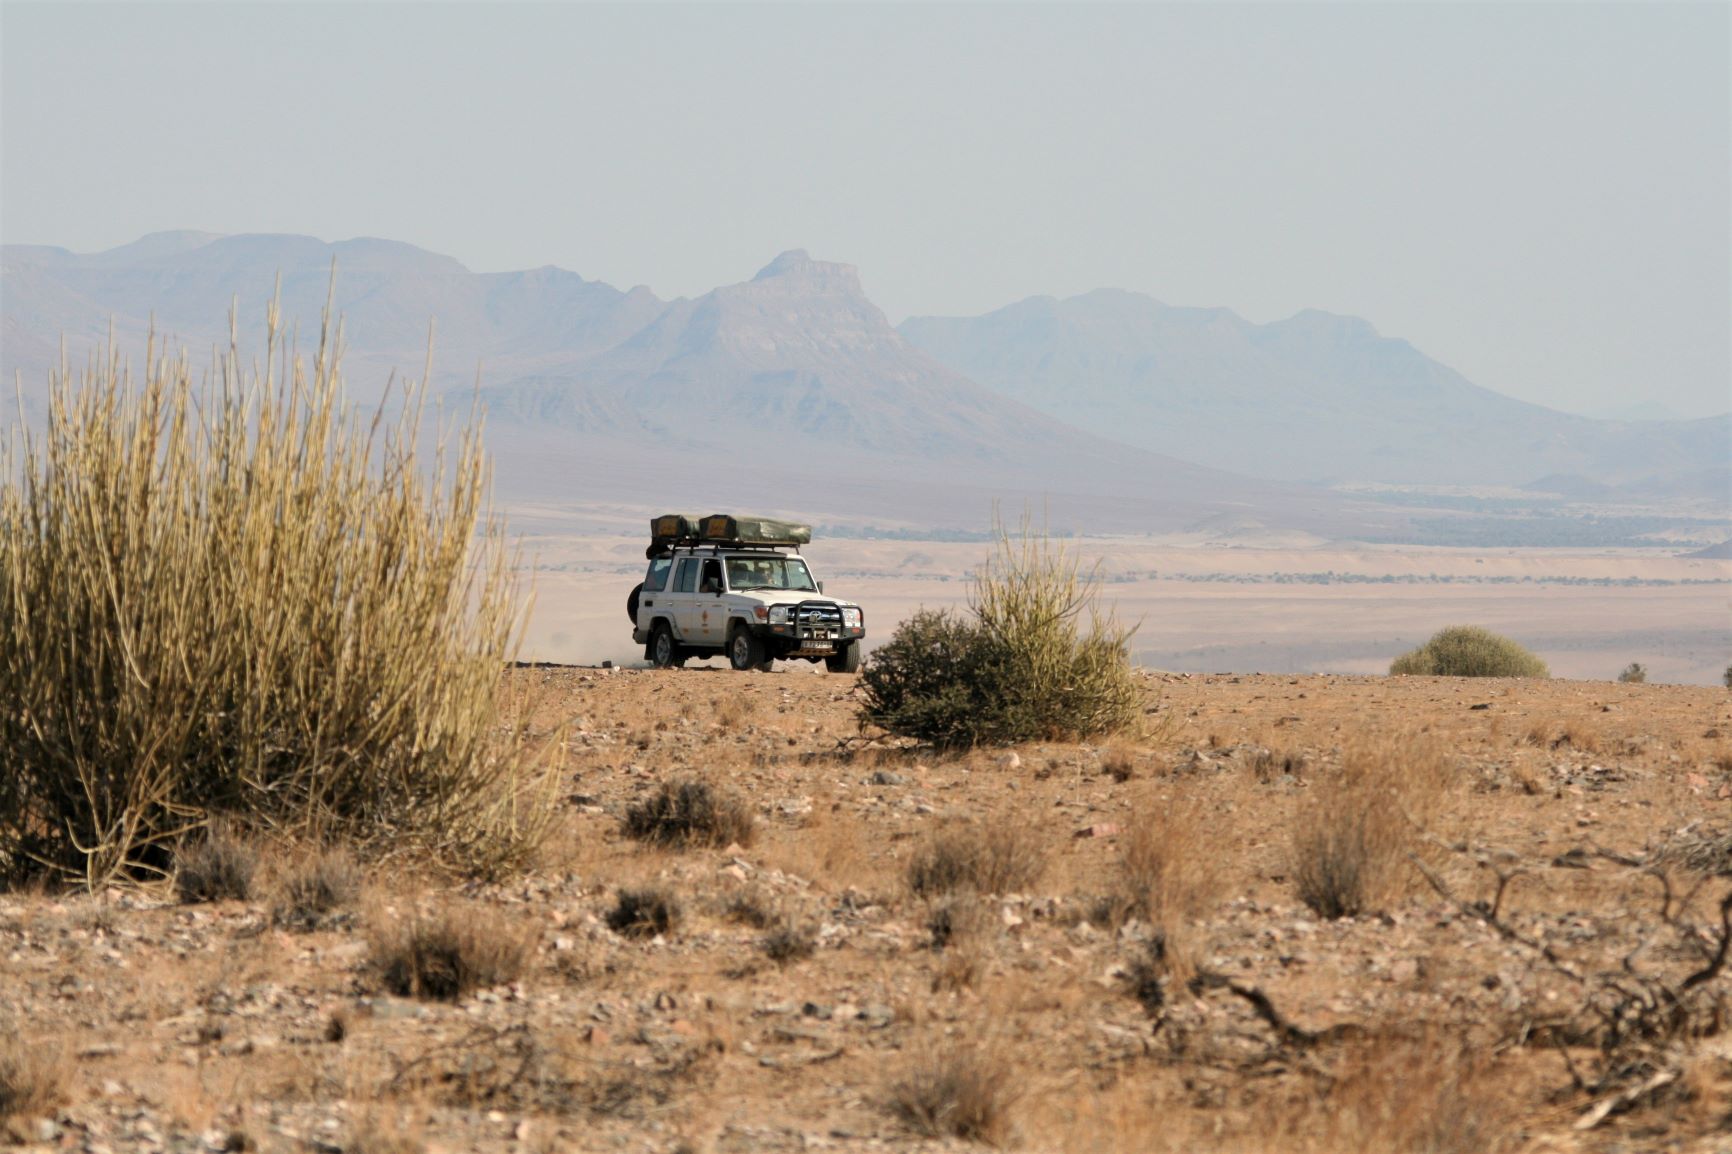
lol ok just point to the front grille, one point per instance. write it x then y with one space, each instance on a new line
820 619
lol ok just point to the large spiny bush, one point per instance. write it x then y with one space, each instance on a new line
1469 651
1020 666
245 598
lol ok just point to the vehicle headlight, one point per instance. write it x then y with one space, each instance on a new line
852 617
778 615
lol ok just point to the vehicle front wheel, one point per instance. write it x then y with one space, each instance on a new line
845 660
746 651
664 651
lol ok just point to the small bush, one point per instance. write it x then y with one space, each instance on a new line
643 913
451 954
1635 673
247 598
33 1078
690 813
1469 651
1000 858
1018 667
216 867
1727 677
315 888
963 1094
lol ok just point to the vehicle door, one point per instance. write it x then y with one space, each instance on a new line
710 606
681 596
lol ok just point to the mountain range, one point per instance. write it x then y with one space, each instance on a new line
1115 409
1315 397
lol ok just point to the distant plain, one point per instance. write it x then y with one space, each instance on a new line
1205 606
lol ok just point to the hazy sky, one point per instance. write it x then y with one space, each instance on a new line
1539 195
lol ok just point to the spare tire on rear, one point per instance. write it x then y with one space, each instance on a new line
631 602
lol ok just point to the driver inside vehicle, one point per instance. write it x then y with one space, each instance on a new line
712 580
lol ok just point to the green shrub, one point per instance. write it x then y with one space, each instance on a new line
246 598
1469 651
942 679
1635 673
1019 666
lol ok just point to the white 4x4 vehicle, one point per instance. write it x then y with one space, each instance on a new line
739 586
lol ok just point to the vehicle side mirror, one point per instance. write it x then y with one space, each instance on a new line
820 586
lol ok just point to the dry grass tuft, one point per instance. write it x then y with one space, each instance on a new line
957 918
1003 857
789 940
964 1093
749 908
455 952
1353 834
1119 763
1168 869
1427 1095
643 913
370 1135
215 867
691 813
1150 974
1697 849
327 881
245 597
33 1078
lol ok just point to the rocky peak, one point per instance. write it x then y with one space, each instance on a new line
796 270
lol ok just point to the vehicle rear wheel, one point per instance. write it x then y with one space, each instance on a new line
746 651
846 659
631 601
664 651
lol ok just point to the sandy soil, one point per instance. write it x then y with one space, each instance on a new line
807 998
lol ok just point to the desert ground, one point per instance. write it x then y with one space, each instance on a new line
1136 971
1268 605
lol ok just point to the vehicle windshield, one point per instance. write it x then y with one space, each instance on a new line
769 573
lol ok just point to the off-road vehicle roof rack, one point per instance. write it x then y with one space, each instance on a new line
724 531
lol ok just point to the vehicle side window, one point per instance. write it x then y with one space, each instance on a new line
687 580
657 578
712 577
